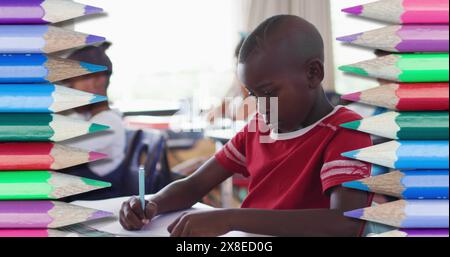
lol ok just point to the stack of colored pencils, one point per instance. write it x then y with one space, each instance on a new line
29 127
418 122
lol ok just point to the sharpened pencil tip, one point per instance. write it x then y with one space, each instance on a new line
95 183
355 213
352 125
351 154
89 9
100 214
97 127
356 10
351 69
350 38
98 98
92 68
354 97
356 185
94 156
92 39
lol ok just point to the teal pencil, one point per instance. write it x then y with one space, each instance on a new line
43 127
405 125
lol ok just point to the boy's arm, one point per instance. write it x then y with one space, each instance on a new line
184 193
181 194
309 222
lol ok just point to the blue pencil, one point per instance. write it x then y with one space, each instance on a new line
43 98
39 68
142 186
41 39
412 154
414 184
406 214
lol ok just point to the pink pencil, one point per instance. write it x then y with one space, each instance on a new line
404 11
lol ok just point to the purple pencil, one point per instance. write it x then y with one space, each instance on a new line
439 232
403 38
44 214
42 11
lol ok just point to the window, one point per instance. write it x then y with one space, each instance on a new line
167 50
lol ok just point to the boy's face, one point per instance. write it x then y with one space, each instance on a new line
266 75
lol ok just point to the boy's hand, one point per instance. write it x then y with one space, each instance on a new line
201 223
132 217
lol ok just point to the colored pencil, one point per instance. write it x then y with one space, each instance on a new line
43 98
438 232
41 39
421 67
406 214
43 156
411 154
406 96
39 68
34 233
404 11
405 125
403 38
43 127
413 184
42 11
74 230
45 214
31 185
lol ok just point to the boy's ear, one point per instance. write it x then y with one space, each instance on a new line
315 72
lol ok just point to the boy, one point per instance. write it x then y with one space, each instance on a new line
111 142
295 180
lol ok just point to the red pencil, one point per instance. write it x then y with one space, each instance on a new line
43 156
406 96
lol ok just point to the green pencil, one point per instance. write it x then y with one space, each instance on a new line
43 127
405 125
30 185
422 67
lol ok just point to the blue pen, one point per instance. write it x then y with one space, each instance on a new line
142 186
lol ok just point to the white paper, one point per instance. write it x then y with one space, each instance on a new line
156 228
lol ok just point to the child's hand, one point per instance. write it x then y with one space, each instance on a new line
201 223
132 217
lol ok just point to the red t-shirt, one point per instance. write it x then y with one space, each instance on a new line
295 169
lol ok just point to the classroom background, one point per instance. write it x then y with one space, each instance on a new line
172 72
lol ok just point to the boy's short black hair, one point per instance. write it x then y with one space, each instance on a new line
308 36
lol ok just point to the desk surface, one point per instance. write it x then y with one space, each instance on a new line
157 228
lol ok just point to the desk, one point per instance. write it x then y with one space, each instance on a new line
156 228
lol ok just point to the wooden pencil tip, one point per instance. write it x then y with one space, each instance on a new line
89 9
352 69
354 97
350 38
351 154
92 39
352 125
94 156
355 213
98 98
356 185
97 127
356 10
